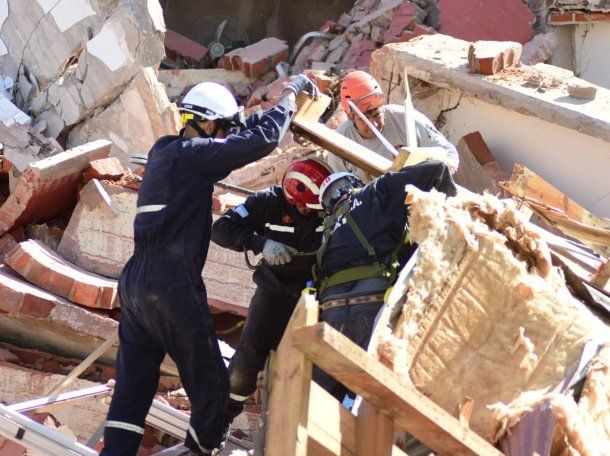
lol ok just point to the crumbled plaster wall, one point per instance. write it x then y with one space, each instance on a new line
550 150
592 57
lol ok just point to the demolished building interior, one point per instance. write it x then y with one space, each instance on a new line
501 324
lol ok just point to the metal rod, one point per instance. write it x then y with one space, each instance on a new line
60 400
409 113
99 351
235 189
368 123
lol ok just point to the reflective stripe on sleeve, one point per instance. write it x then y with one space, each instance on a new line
125 426
237 397
282 228
150 208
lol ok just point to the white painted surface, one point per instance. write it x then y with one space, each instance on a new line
70 12
11 114
592 48
110 46
47 5
3 17
577 164
156 14
563 54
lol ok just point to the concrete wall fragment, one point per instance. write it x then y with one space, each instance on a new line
134 121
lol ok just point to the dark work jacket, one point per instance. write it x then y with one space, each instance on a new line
180 174
267 215
380 212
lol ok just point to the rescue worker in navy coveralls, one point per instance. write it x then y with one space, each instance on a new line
277 223
363 246
163 298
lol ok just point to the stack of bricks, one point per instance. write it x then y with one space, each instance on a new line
257 59
357 34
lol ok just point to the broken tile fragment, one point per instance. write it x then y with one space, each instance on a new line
490 57
43 267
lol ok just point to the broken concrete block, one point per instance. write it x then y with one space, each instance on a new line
256 59
500 20
539 49
33 318
19 384
337 54
97 242
143 108
487 315
470 173
49 187
96 196
104 169
489 57
96 50
582 90
23 145
43 267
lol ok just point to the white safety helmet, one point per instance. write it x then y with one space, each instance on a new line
211 101
336 186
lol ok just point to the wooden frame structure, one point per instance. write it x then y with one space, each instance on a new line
303 419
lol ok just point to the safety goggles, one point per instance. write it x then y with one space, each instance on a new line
369 102
186 116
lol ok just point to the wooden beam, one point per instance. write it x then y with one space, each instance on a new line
410 409
331 428
305 123
375 432
290 389
559 210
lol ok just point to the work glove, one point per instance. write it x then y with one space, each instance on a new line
276 253
302 84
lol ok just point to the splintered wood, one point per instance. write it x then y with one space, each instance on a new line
487 316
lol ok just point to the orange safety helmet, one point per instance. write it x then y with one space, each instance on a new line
363 90
302 181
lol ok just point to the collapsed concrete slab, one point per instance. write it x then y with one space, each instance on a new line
49 187
24 145
33 318
101 243
19 384
134 121
487 316
525 113
44 268
97 48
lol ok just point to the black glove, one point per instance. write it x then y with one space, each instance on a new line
302 84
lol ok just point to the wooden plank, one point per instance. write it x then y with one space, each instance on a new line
410 409
558 209
331 428
305 123
290 389
375 432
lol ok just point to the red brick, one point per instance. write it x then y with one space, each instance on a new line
43 267
104 169
7 243
478 147
256 59
184 46
497 20
489 57
48 188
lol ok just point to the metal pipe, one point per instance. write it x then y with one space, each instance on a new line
368 123
299 44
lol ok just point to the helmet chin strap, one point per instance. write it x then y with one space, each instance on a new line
201 132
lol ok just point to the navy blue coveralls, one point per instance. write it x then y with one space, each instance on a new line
380 212
163 298
266 215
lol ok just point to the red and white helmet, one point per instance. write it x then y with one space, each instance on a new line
302 181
